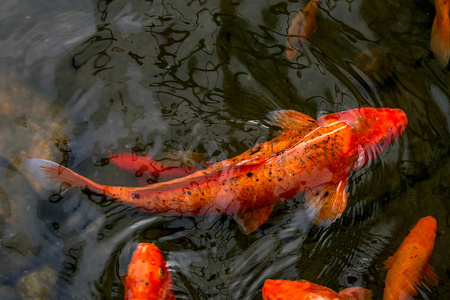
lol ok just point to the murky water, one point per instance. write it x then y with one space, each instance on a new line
193 81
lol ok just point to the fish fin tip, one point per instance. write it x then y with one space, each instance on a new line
326 203
41 171
50 175
429 275
290 119
440 41
356 293
251 220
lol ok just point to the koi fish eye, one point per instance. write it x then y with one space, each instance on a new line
161 273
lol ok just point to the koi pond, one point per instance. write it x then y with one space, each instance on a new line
192 83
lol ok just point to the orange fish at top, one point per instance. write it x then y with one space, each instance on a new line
409 265
305 290
440 32
310 157
302 27
148 275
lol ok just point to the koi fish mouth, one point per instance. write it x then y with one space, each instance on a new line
399 120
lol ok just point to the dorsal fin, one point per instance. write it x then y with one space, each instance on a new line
290 119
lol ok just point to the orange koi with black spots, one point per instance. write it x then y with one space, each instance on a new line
311 157
409 265
148 275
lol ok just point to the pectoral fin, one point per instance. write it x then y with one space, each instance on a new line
250 220
290 119
356 293
327 202
429 276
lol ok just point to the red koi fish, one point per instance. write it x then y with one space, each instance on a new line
410 263
147 170
311 157
440 32
148 275
302 27
305 290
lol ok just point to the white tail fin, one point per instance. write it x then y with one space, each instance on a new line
50 175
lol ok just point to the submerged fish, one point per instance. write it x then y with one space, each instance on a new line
148 275
302 27
440 32
148 170
311 157
409 265
305 290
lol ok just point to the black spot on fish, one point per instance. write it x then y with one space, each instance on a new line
249 174
324 196
137 196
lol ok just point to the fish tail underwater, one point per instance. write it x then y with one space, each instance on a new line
51 175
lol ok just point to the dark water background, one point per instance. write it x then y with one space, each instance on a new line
193 81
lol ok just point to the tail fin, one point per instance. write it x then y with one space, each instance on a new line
49 175
440 34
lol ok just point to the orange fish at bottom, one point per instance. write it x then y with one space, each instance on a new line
410 263
305 290
148 275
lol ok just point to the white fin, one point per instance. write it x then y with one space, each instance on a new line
35 168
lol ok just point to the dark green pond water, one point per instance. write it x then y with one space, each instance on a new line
193 81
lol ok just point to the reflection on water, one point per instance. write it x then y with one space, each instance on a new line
81 80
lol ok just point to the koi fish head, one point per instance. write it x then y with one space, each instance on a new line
373 128
148 275
424 232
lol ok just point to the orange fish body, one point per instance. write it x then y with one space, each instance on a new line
148 276
147 170
314 157
305 290
440 32
302 27
410 263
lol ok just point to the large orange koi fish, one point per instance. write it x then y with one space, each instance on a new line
305 290
409 264
311 157
148 275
